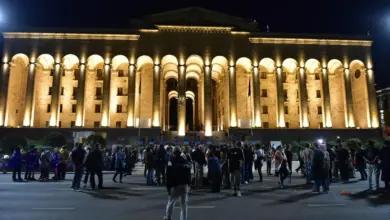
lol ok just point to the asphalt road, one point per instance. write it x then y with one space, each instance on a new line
134 200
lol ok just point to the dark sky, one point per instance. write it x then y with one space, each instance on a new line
354 17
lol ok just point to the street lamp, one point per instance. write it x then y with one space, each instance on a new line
320 141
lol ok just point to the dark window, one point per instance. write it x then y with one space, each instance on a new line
265 125
60 108
98 91
74 92
119 108
321 125
264 93
319 110
97 108
48 108
59 124
74 107
284 77
118 124
52 72
121 73
286 110
72 124
63 72
62 90
47 124
317 76
285 94
120 91
318 93
50 90
287 125
357 74
265 109
99 74
263 75
96 124
76 74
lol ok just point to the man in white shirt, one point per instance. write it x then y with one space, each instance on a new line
259 154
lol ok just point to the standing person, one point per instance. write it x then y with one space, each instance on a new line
94 164
199 159
332 157
178 184
150 165
225 167
259 161
56 159
289 156
384 158
120 164
64 156
320 166
248 163
282 168
16 163
308 158
31 163
301 163
45 161
86 171
77 157
160 165
269 157
214 170
371 157
360 163
236 160
344 164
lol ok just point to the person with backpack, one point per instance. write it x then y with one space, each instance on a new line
259 153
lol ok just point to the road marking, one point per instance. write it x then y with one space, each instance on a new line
148 188
325 205
53 208
198 207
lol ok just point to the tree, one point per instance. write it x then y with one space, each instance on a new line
96 139
353 143
8 143
54 139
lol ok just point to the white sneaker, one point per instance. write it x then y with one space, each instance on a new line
246 182
238 194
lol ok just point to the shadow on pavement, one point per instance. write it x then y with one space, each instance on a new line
375 198
110 193
296 198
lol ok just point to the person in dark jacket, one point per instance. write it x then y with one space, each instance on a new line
94 165
120 164
150 164
384 157
55 162
178 183
16 163
360 163
77 157
214 170
248 163
31 163
289 156
160 165
199 158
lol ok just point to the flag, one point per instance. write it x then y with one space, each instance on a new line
249 88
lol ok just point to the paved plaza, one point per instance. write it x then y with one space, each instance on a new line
134 200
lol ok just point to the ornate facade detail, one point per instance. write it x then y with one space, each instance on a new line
303 41
70 36
196 29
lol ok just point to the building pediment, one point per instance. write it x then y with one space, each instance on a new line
195 16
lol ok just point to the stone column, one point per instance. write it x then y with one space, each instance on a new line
280 98
327 119
80 96
28 111
256 97
4 79
303 98
181 101
131 96
372 102
232 96
349 119
208 110
156 96
105 122
55 96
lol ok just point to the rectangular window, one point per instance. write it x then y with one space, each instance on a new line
62 90
96 124
317 76
50 90
48 108
265 109
99 74
284 77
97 108
263 75
265 125
52 72
319 110
72 124
286 110
47 124
318 93
120 91
264 93
98 91
321 125
121 73
118 124
287 125
60 108
118 108
285 94
74 107
74 92
59 124
76 74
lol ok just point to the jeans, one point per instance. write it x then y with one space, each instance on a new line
362 171
235 179
99 174
260 172
17 170
149 176
176 192
269 167
29 174
61 171
373 169
86 177
198 175
120 172
246 171
308 172
78 174
319 183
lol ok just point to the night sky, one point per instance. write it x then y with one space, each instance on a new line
351 17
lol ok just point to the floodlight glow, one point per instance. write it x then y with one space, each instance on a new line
320 141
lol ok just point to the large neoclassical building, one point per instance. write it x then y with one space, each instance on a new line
189 69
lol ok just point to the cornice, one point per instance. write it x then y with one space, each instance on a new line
307 41
70 36
198 29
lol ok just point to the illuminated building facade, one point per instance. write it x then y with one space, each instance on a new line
190 69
